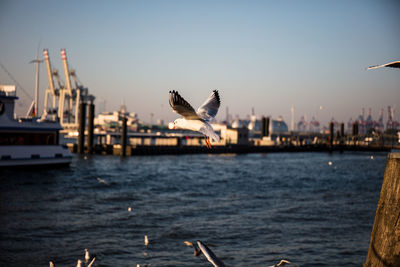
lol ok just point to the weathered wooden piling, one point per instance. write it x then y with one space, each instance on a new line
331 133
265 126
342 130
123 137
82 122
90 128
355 132
384 247
342 136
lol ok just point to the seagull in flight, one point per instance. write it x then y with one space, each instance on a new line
199 120
394 64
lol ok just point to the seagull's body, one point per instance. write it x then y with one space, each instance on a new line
146 241
87 256
199 120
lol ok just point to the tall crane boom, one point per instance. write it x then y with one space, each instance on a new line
49 70
66 71
66 98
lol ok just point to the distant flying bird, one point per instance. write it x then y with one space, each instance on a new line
210 255
394 64
199 120
283 263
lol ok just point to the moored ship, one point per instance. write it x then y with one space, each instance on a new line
28 141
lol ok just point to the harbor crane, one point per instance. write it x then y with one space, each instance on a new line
63 101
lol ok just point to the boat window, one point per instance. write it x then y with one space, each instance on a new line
11 139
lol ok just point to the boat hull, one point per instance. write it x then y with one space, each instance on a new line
11 156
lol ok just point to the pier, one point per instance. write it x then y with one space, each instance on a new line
113 144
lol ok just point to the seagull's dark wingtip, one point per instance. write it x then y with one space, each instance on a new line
216 93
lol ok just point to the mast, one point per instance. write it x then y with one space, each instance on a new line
36 106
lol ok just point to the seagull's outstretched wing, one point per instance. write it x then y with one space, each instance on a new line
181 106
210 255
394 64
209 109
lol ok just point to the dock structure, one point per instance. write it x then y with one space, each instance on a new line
178 149
233 140
384 248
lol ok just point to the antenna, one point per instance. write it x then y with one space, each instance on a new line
35 111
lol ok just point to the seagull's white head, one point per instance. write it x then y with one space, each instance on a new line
179 123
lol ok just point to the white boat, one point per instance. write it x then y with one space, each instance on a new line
28 141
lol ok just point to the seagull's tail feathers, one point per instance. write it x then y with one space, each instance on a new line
215 137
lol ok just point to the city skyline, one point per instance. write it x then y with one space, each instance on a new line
267 55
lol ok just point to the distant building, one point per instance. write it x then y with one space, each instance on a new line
232 136
239 123
254 124
350 126
314 125
302 125
238 136
392 123
380 127
362 124
278 126
369 123
110 119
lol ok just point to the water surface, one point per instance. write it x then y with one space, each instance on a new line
258 209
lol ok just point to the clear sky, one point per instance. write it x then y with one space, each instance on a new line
269 55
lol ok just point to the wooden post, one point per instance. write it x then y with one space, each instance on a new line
331 133
355 132
82 122
90 128
384 247
123 137
264 126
